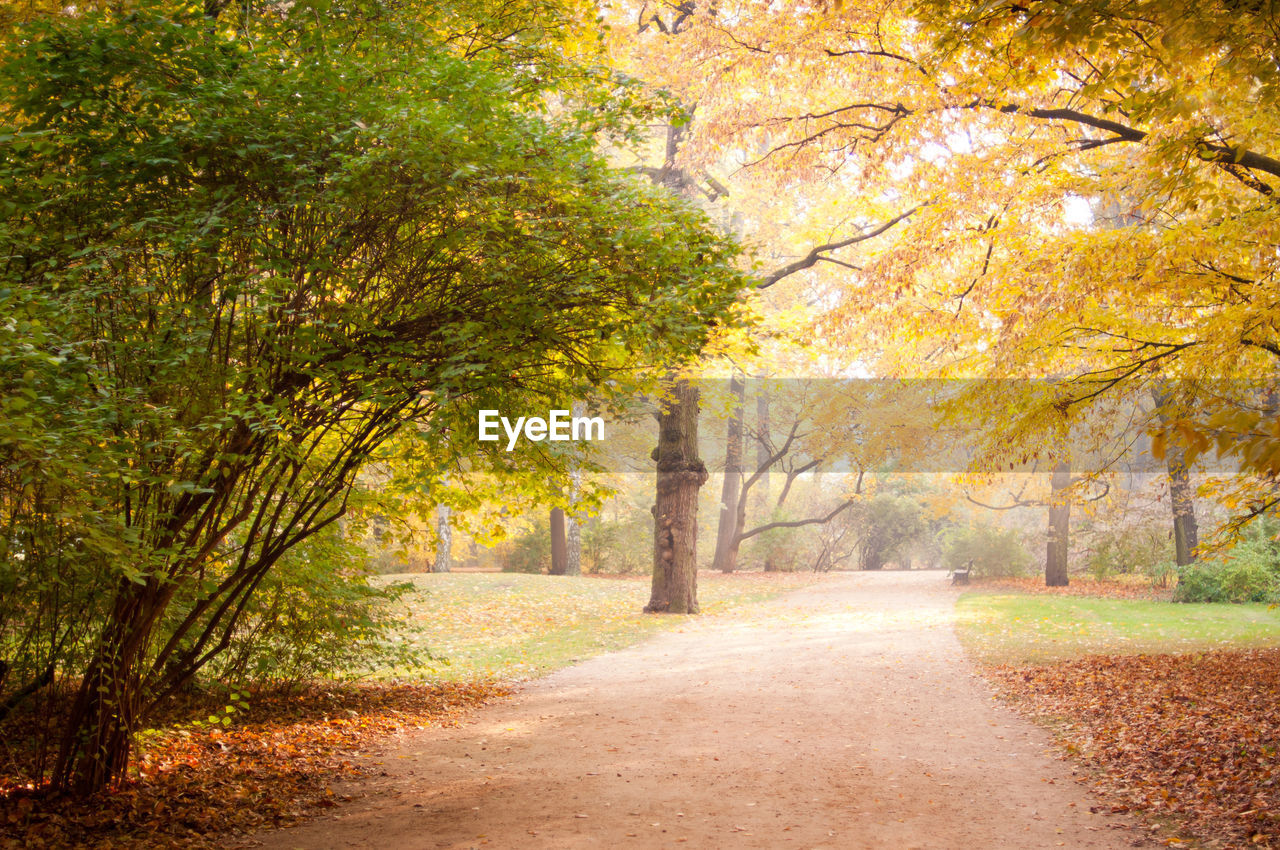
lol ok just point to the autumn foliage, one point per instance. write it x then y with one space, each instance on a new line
1195 738
1080 586
275 763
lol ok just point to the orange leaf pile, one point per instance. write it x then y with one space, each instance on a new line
1192 738
1080 586
277 763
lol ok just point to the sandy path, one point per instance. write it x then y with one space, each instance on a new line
841 716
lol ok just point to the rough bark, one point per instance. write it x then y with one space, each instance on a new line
444 548
559 543
573 530
681 473
727 540
106 710
1056 556
1186 534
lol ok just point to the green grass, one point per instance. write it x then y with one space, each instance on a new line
513 625
1001 628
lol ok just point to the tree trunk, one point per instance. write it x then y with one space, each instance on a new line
1056 556
573 531
762 446
573 547
726 557
675 514
444 544
762 458
1186 535
98 733
559 543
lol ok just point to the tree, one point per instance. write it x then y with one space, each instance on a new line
444 541
228 301
727 539
674 589
995 124
1058 546
1181 494
559 543
664 24
885 525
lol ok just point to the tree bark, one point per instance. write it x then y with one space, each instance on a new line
762 446
573 531
444 547
681 473
726 557
762 460
95 747
1186 534
1056 556
559 543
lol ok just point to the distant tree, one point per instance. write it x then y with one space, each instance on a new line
444 541
559 543
727 531
886 525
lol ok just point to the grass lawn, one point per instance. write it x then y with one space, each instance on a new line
513 625
1010 628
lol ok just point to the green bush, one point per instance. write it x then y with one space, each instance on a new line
1250 572
318 614
1161 572
1119 551
886 525
618 546
995 552
778 549
528 553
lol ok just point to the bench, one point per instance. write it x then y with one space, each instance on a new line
961 575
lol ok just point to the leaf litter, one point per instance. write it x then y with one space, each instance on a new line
278 762
1192 740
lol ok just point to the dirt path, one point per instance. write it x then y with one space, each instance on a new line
842 716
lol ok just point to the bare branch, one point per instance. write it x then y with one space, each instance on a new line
814 255
798 522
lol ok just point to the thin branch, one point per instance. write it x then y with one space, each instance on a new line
814 255
798 522
1269 347
836 262
1236 161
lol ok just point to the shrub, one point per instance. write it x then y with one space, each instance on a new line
1127 550
319 613
620 546
528 553
1161 572
886 525
778 549
1250 572
993 551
